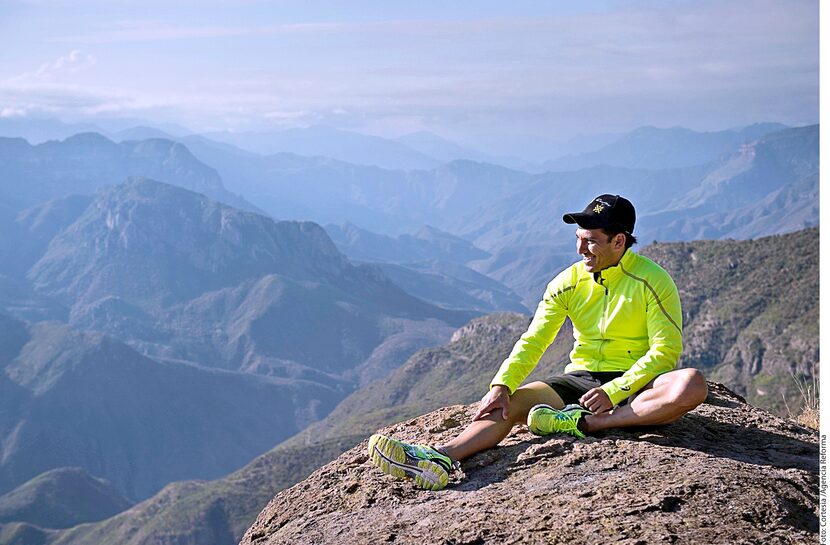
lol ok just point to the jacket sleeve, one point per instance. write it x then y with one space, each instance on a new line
549 317
664 323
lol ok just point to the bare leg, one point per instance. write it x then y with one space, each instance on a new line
489 431
664 400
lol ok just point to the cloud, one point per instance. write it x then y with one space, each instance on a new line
12 112
707 64
48 90
285 115
70 63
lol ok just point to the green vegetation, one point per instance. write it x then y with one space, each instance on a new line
809 414
751 312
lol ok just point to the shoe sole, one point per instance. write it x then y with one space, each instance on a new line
391 458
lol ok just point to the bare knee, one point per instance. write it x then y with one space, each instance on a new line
689 388
529 395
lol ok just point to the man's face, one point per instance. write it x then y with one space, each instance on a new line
597 251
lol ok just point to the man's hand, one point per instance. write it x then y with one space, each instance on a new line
596 401
497 398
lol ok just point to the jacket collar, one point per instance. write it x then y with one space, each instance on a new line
614 272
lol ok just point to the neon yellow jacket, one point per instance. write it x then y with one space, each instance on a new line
626 318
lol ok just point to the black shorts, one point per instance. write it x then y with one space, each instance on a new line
571 386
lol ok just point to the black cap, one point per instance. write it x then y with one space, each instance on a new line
603 212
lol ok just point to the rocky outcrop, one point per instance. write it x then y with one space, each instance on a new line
725 473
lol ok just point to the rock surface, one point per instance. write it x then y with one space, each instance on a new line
725 473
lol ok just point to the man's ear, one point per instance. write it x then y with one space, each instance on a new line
619 241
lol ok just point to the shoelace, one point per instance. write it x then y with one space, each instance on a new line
425 452
566 418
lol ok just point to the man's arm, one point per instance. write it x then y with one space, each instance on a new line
664 321
549 317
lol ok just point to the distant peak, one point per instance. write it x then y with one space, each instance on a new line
88 138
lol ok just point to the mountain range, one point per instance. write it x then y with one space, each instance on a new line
325 141
747 183
429 264
737 329
63 498
220 511
81 399
655 148
127 303
166 298
762 186
769 186
85 162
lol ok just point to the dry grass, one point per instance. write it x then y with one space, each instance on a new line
809 414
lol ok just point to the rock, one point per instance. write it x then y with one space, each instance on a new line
725 473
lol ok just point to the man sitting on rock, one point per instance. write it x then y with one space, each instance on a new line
626 318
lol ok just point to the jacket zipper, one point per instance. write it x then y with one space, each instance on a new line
603 318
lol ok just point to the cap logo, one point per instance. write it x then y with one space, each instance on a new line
598 209
602 202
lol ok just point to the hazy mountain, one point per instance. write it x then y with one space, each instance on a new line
450 285
196 284
529 247
85 162
767 186
430 265
509 214
212 300
141 133
442 149
322 141
27 236
38 131
18 299
738 328
291 328
458 372
62 498
426 243
145 240
498 208
581 143
326 191
186 279
653 148
447 151
181 277
70 398
193 512
218 512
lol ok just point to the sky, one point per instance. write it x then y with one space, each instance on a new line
502 77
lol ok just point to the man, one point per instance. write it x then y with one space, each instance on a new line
627 322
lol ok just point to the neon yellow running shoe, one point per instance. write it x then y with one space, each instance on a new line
427 466
545 420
